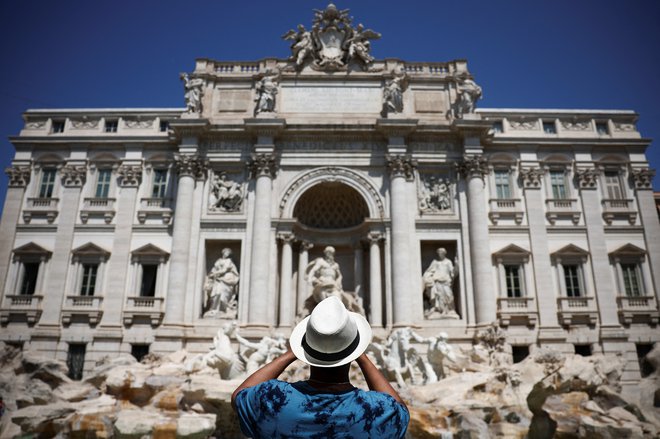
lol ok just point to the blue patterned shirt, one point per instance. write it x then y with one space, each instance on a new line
276 409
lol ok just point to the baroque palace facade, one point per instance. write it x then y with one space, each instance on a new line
136 230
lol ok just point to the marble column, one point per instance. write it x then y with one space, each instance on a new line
474 169
189 167
19 177
602 271
263 169
73 179
648 215
375 285
129 178
286 272
358 270
303 261
532 176
401 170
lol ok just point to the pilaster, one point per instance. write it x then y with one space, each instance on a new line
19 177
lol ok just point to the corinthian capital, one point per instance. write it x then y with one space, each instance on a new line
531 177
473 166
190 165
643 178
130 175
262 164
401 166
587 178
73 175
19 176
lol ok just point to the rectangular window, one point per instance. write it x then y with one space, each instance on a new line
159 183
502 188
498 127
164 126
30 273
88 284
513 281
148 283
75 360
601 128
572 280
583 350
103 183
613 185
549 128
558 184
47 183
139 351
111 126
58 126
631 280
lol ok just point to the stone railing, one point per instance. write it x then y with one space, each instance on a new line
159 208
562 208
25 307
638 309
614 208
510 208
426 68
42 208
102 207
144 308
577 310
516 310
245 68
87 308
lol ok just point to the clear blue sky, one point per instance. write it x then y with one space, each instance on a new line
528 54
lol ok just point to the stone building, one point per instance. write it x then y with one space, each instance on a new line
137 230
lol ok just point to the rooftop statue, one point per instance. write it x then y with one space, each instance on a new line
468 95
193 93
332 43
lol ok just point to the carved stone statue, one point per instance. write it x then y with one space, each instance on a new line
434 195
220 357
193 93
324 275
303 45
266 93
493 340
438 350
468 95
359 46
396 358
221 287
226 195
393 96
438 280
264 351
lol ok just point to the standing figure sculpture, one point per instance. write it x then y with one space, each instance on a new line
193 93
266 93
468 95
397 358
438 350
438 280
264 351
221 287
303 44
326 279
393 96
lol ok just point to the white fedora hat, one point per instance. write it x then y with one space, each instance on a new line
331 336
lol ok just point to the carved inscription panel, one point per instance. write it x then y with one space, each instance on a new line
331 99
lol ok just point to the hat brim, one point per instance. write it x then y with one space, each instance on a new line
295 341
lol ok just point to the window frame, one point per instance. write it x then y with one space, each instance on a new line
160 189
500 171
552 124
105 186
111 126
572 255
46 188
88 254
148 254
57 126
617 176
632 256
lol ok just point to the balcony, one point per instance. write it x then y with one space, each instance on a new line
82 308
638 309
577 311
505 208
159 208
99 208
41 208
618 209
141 308
24 307
516 311
559 208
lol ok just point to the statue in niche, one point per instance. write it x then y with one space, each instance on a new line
193 93
438 280
324 275
266 93
221 288
303 45
221 357
226 195
262 352
468 95
434 195
393 96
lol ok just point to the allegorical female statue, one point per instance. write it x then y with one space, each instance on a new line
221 287
438 280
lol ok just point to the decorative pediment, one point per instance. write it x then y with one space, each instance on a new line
32 250
91 250
511 250
150 252
570 251
628 250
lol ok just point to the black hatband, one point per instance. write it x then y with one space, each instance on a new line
331 356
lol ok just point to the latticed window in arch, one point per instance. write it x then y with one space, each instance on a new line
331 205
